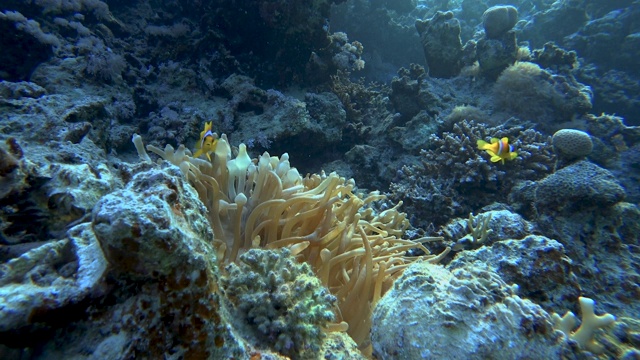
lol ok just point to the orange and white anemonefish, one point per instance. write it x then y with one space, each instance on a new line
207 143
499 149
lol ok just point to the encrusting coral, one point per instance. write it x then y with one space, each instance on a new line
355 252
283 299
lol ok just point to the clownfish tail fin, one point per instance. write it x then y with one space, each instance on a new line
482 144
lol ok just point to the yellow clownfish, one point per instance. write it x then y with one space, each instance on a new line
207 142
499 149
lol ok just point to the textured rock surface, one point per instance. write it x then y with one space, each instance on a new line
537 264
440 37
20 33
430 311
61 172
153 233
496 54
16 90
154 227
580 185
48 280
601 242
269 119
498 49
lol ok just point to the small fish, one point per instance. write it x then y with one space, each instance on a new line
207 142
499 149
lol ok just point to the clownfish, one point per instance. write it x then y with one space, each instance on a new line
499 149
207 143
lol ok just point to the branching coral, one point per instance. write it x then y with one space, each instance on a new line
477 234
454 167
357 98
357 253
591 322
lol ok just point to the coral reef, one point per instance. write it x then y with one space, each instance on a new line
153 232
617 92
340 55
12 172
390 43
477 235
356 252
616 148
361 101
601 35
163 278
612 139
275 41
555 22
607 40
495 55
53 184
407 95
237 254
119 227
464 112
17 90
607 238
